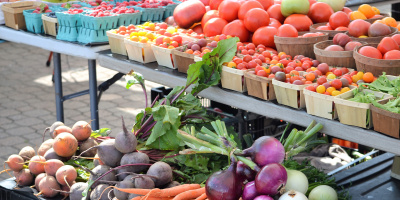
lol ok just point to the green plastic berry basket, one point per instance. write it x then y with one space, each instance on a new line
33 21
99 23
71 20
67 33
151 14
87 36
127 19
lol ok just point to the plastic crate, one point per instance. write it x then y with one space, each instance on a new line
99 23
67 33
90 36
33 21
127 19
151 14
71 20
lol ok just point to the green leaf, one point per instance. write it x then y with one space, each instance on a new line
207 72
139 118
164 136
86 191
101 133
133 78
166 114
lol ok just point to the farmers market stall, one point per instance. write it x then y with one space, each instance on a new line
176 149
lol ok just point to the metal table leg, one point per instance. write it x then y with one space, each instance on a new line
94 109
58 86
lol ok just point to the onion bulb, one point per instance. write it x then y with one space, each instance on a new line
324 192
296 180
293 195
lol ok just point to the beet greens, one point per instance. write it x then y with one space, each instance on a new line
157 125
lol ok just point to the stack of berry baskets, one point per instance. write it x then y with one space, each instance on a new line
116 38
95 24
151 10
164 46
69 23
33 18
138 46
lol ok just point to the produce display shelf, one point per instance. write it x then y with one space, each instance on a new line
172 78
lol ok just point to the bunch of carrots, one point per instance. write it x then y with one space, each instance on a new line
181 192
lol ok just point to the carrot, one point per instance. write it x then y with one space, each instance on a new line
137 198
190 194
202 197
168 192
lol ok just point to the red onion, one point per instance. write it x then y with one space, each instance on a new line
266 150
249 191
263 197
224 185
270 179
244 172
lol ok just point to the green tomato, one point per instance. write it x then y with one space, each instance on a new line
336 5
289 7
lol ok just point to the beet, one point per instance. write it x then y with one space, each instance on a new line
27 153
49 186
76 190
133 158
108 153
123 184
100 170
23 177
100 192
162 171
125 141
144 182
85 145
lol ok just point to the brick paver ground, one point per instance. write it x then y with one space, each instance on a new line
27 99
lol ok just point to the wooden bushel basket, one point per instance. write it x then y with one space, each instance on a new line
233 79
333 58
386 122
355 113
117 44
50 25
258 86
13 13
371 40
320 105
163 56
140 52
313 29
298 45
376 66
182 60
289 94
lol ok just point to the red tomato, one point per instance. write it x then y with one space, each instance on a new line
265 35
275 12
320 12
346 10
274 23
228 10
177 38
392 55
371 52
198 29
266 3
205 2
269 49
358 28
214 4
248 5
214 27
387 44
236 28
287 30
339 19
299 21
188 13
256 18
336 84
321 80
209 15
396 38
